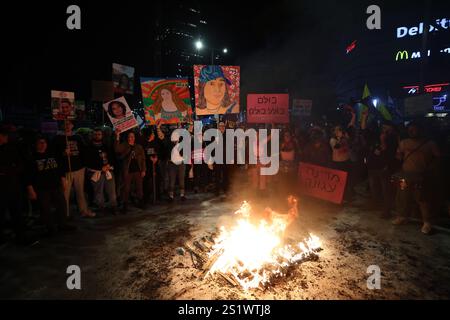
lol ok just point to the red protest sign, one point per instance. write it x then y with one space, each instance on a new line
323 183
268 108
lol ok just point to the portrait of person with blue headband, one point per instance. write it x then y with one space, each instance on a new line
214 97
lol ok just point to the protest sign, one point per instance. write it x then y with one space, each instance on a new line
120 114
166 100
322 183
268 108
301 108
123 79
216 89
63 105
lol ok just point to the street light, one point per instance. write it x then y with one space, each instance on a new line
199 44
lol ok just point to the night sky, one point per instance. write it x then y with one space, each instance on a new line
276 44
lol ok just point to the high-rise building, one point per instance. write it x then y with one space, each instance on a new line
406 57
179 24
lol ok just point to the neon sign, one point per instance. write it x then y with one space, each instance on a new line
431 88
438 103
409 55
412 89
441 24
402 55
351 47
435 87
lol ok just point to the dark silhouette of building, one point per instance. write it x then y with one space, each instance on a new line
178 25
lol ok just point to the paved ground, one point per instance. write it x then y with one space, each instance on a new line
135 257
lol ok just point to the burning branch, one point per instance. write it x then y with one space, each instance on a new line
251 254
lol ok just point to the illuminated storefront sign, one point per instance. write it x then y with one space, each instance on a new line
439 103
440 96
441 24
402 55
435 87
410 55
412 89
406 32
431 88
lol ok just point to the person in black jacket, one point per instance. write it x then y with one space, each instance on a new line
11 169
46 182
100 164
164 153
381 165
221 171
152 180
134 167
69 150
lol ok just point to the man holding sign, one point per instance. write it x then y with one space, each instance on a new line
70 149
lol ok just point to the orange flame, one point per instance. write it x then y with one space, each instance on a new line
257 250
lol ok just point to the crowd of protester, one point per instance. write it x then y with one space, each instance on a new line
109 171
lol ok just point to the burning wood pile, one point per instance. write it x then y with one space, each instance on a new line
252 253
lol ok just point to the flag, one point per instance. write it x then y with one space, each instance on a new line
363 106
366 92
384 112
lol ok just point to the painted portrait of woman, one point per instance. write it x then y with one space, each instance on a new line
214 96
168 106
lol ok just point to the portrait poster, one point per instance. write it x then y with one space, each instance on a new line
123 79
120 114
216 89
166 101
63 105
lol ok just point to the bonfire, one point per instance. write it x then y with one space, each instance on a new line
253 251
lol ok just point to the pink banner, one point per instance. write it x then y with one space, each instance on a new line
268 108
323 183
